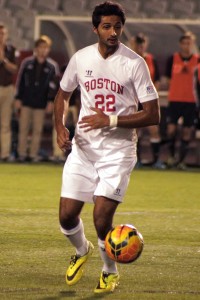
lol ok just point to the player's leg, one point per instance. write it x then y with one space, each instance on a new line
174 114
114 175
38 121
24 127
6 101
189 115
171 132
72 227
104 210
187 133
155 140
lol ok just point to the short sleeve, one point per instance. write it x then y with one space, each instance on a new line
143 84
69 80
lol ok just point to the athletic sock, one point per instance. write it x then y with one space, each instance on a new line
172 142
110 265
77 238
155 145
183 150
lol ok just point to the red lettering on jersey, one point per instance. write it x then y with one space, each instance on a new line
93 84
100 83
120 89
104 83
107 81
87 86
113 86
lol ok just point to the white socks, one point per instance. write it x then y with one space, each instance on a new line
77 238
109 265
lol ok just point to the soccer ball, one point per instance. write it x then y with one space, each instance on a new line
124 243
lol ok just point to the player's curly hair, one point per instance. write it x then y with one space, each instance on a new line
107 8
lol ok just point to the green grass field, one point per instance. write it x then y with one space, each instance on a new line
164 206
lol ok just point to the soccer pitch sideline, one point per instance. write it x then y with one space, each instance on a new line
163 205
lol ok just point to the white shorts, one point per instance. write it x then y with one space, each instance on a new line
84 179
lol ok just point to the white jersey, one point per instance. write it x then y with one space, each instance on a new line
115 85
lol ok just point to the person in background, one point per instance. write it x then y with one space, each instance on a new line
8 67
58 156
36 89
197 95
113 80
139 44
180 72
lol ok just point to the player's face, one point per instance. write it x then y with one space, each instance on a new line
42 51
109 31
186 46
141 48
3 35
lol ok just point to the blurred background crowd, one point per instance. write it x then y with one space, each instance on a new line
37 39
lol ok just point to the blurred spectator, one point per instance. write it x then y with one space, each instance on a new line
47 39
36 89
197 97
139 44
7 68
197 84
180 70
57 155
197 94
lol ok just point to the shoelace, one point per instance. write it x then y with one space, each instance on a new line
73 259
105 277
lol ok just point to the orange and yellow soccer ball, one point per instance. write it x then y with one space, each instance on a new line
124 243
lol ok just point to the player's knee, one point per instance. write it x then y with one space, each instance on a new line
102 226
67 220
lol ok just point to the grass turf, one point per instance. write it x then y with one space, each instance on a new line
163 205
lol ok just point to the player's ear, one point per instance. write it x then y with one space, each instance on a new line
95 30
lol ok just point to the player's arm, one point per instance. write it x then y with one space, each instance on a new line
157 76
196 87
149 115
10 66
61 103
168 72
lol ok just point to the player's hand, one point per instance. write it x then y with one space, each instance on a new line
17 107
94 121
2 54
49 108
63 138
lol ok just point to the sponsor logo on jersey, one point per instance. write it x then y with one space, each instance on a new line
150 89
104 83
88 73
117 192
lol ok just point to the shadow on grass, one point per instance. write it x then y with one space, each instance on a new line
72 294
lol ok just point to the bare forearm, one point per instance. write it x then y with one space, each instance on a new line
59 110
141 118
60 106
11 67
149 115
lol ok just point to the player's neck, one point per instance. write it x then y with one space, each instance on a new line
185 54
107 51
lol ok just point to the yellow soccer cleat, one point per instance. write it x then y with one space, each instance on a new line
107 283
75 270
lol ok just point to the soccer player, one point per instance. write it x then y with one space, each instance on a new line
180 71
139 44
113 80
